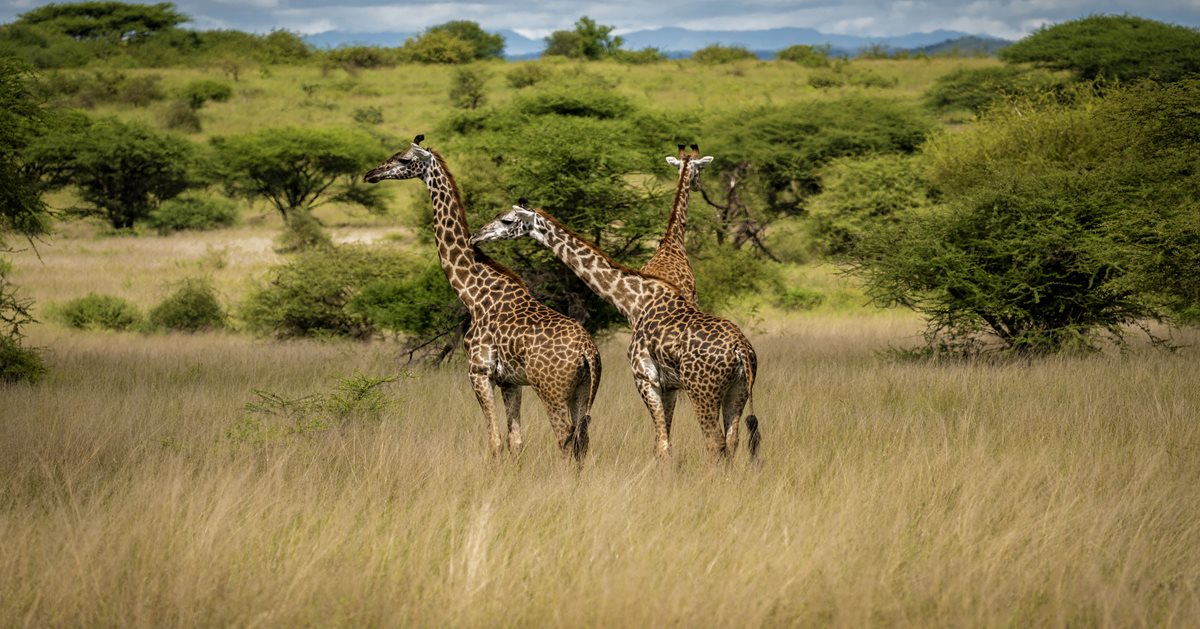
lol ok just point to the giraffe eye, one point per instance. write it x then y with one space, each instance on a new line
507 221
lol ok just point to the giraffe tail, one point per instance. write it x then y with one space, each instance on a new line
749 366
589 371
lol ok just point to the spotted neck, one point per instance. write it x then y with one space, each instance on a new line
670 260
470 272
630 291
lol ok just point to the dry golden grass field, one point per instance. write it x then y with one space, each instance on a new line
138 490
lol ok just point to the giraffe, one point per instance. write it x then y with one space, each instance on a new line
513 340
670 260
674 346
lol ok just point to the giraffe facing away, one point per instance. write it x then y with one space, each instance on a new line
670 260
513 340
674 346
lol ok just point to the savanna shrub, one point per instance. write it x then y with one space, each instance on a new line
466 90
808 56
193 307
824 80
179 116
641 56
193 211
198 93
858 194
368 115
527 74
19 363
575 100
714 54
311 294
795 298
364 57
97 312
976 89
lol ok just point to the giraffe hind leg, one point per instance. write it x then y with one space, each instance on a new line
732 405
512 409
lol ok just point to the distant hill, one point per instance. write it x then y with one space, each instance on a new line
682 42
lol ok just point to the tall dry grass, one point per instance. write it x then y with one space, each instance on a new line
1057 492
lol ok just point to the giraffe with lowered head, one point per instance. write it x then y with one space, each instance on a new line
513 340
674 346
670 260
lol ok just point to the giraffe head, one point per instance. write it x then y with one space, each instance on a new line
406 164
515 223
693 159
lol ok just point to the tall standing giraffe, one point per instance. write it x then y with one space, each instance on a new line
513 340
674 346
670 260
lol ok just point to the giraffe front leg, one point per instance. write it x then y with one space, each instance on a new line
482 383
512 409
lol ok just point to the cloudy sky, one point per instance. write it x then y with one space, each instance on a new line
1010 19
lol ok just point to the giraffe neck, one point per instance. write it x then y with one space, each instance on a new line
628 290
464 266
677 223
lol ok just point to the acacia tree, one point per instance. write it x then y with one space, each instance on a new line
122 170
484 45
1121 47
296 170
588 40
1053 223
22 211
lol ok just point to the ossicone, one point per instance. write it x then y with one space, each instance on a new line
420 138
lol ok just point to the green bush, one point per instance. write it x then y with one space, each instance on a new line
643 56
797 298
575 100
1056 224
976 89
179 116
859 194
193 211
368 115
193 307
714 54
97 312
466 90
311 294
363 57
19 363
808 56
824 80
437 46
198 93
1121 47
527 74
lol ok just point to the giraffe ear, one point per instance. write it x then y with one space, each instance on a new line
673 161
703 161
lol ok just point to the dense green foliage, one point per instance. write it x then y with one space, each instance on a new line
193 211
1122 47
315 293
437 47
121 170
1055 222
484 45
467 92
588 40
976 89
858 195
808 56
97 312
197 93
297 169
72 35
22 212
716 53
782 148
192 307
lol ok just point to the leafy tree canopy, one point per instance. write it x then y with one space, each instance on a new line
113 21
122 170
484 45
1113 47
438 46
22 118
588 40
297 169
1055 222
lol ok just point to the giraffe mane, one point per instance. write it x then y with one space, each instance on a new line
600 252
480 256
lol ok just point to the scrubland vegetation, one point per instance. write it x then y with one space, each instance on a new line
959 273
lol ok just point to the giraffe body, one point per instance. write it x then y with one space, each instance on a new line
674 347
513 339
